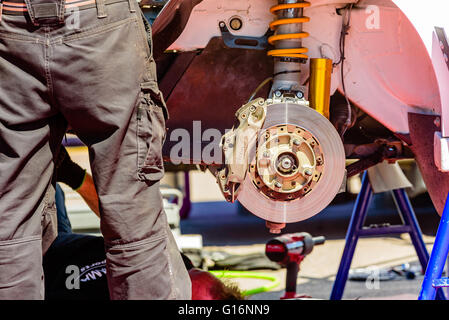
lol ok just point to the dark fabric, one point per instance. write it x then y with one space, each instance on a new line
68 171
188 263
64 225
98 76
87 254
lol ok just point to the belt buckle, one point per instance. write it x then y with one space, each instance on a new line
46 13
46 10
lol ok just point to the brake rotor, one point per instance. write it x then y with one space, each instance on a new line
297 165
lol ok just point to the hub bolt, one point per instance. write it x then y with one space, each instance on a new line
286 163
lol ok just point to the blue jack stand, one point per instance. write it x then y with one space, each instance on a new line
432 279
356 229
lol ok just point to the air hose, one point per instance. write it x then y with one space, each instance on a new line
274 281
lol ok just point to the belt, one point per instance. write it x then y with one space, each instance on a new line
18 7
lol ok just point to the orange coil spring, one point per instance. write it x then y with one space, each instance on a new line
293 52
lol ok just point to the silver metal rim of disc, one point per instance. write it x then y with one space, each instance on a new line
327 187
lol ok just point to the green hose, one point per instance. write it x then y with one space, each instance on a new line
248 274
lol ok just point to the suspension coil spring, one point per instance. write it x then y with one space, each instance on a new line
290 52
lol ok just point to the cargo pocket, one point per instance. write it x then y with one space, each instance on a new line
151 115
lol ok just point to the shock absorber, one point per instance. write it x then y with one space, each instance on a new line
287 40
289 53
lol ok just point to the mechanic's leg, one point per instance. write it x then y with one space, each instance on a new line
64 225
105 82
27 124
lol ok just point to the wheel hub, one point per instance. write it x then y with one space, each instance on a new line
288 164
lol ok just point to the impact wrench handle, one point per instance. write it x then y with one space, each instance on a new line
289 250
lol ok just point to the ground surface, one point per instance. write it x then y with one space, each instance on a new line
224 229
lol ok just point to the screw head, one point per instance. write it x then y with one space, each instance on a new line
236 24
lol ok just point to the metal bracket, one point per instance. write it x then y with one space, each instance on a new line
242 42
390 151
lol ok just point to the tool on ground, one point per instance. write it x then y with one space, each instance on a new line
289 251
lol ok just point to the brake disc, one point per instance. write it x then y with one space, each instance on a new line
297 165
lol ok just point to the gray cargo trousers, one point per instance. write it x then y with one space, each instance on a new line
91 69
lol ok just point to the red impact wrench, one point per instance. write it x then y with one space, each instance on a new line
289 250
